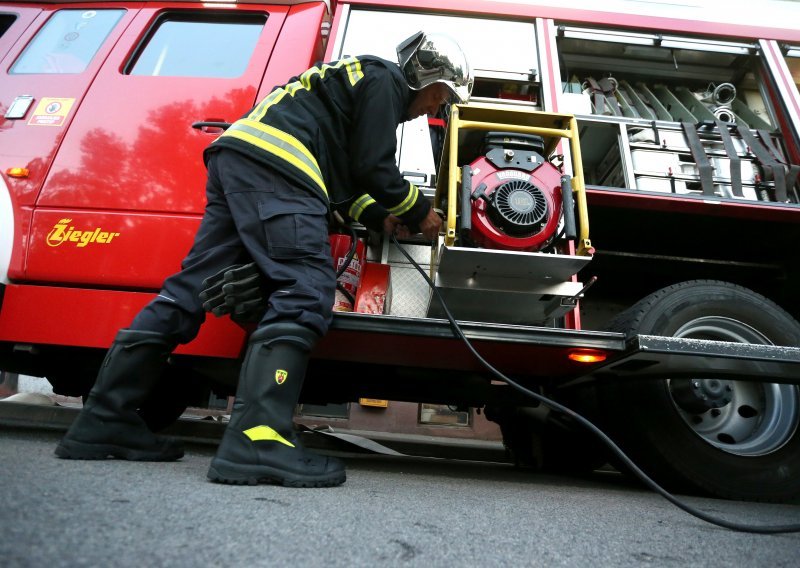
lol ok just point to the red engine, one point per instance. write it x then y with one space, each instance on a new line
516 194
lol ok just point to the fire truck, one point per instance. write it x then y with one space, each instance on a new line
620 200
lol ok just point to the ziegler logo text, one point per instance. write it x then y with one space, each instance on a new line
63 232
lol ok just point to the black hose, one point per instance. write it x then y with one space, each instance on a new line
346 293
775 529
350 254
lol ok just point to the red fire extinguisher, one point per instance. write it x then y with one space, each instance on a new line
348 281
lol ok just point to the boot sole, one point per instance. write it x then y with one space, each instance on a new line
71 450
222 471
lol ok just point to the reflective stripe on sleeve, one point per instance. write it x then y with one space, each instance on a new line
279 143
359 206
408 203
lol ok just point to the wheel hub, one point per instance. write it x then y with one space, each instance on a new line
700 395
750 419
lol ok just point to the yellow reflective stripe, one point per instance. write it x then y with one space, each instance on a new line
271 99
408 202
359 205
265 433
354 73
280 144
354 70
305 78
293 87
351 64
285 137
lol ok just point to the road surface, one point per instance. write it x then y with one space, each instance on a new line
392 511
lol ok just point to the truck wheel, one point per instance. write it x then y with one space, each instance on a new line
732 439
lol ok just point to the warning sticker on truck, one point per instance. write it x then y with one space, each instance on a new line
51 112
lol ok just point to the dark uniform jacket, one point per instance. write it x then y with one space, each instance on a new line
332 130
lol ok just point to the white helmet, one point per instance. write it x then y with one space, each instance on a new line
435 58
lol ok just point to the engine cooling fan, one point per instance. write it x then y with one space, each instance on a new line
519 208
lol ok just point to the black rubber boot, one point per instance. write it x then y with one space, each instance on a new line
108 425
260 444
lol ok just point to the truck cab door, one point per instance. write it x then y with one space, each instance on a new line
49 58
124 195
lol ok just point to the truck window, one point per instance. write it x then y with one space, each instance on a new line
182 45
67 42
5 22
503 54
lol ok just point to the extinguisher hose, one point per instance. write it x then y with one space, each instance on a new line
350 253
553 405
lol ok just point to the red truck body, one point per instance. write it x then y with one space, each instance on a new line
103 188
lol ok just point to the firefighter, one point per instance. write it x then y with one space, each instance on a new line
324 141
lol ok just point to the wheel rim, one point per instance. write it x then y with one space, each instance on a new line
760 417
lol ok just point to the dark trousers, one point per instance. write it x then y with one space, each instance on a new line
252 212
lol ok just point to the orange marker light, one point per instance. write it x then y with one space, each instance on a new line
587 355
18 172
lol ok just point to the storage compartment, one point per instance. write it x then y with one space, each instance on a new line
682 185
653 109
674 163
602 151
669 78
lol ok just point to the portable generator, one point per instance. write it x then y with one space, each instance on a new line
516 197
512 246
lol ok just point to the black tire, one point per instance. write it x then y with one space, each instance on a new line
747 446
523 446
543 442
568 448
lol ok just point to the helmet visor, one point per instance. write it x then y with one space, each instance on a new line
436 58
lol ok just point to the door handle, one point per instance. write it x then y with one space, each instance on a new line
211 126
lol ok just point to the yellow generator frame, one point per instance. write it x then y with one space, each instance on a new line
552 127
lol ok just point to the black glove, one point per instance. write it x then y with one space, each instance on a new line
237 290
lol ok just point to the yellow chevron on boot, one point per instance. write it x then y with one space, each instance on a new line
261 433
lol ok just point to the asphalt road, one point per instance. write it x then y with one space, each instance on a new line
391 512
